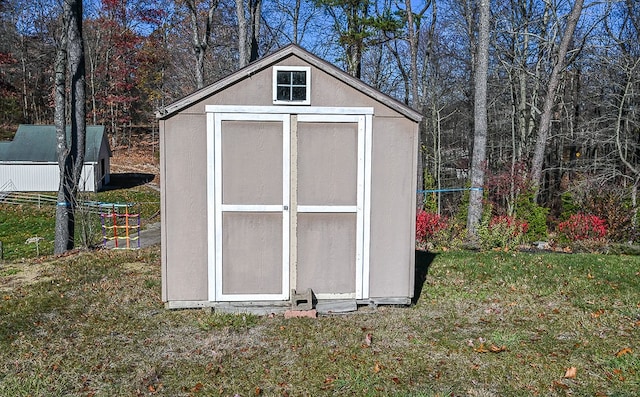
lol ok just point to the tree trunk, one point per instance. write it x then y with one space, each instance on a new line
62 213
70 157
248 30
547 111
200 42
415 103
480 121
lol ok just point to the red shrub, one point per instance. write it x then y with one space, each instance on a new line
428 224
583 227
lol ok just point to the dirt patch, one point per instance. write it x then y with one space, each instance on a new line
19 274
141 156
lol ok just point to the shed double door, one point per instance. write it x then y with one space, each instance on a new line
288 193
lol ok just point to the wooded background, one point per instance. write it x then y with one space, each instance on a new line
142 55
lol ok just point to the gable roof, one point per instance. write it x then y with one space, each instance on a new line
275 57
38 143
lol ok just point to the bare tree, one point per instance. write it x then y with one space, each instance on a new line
537 161
480 119
200 34
249 16
70 154
413 37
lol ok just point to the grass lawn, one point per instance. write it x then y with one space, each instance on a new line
485 324
19 223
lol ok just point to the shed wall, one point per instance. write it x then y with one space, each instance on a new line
184 205
41 177
392 259
256 89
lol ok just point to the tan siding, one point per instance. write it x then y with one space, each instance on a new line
327 163
392 208
251 162
256 90
326 252
252 253
185 206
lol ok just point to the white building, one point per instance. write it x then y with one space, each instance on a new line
29 163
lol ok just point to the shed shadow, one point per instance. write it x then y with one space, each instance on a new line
126 180
423 263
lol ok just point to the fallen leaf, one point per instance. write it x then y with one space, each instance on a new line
480 349
377 367
597 313
197 387
395 380
559 385
258 391
624 351
571 373
368 339
497 349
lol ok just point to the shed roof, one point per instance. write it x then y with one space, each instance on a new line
275 57
38 143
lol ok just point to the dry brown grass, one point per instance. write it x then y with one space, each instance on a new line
486 324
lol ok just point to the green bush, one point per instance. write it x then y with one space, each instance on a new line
501 232
535 215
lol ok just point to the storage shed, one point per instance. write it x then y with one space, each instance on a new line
29 163
287 175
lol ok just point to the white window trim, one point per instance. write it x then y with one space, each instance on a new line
276 69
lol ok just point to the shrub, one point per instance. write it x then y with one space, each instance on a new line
612 203
437 231
580 227
428 224
534 215
501 232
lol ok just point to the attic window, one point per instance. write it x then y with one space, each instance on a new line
292 85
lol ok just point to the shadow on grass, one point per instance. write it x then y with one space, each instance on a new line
423 263
126 180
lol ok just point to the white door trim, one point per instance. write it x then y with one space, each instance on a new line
363 116
214 189
362 182
311 110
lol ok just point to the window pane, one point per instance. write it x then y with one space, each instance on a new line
299 94
284 77
299 78
284 93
